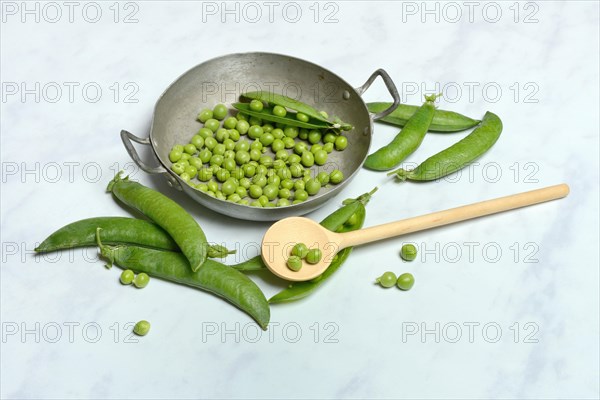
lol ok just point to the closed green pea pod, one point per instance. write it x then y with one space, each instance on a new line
166 213
443 121
406 142
459 154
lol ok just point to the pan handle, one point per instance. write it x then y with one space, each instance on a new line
391 87
127 137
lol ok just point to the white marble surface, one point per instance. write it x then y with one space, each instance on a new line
355 339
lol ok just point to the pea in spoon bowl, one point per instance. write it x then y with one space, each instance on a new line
284 234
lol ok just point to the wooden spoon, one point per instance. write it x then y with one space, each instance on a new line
284 234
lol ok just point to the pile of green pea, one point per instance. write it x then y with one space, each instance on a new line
219 161
300 252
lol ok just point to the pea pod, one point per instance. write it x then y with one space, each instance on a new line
114 230
443 121
406 142
296 105
213 277
459 154
169 215
354 211
267 115
299 290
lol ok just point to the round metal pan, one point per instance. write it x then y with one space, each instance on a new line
222 80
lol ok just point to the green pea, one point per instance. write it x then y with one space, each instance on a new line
277 133
205 174
320 157
242 145
300 148
211 193
294 159
387 280
241 191
210 143
127 277
212 124
308 159
205 155
329 138
281 155
242 126
405 281
191 171
241 116
217 160
284 193
313 186
261 170
178 168
244 202
259 180
203 187
222 175
271 191
267 161
219 195
256 105
284 173
185 177
230 123
242 157
229 164
336 176
352 220
256 203
279 111
234 135
196 162
245 183
294 263
313 256
219 149
141 328
273 179
268 127
220 112
178 147
314 136
299 185
141 280
228 187
256 132
302 117
255 154
266 139
283 203
341 142
175 155
300 250
288 142
324 114
328 147
249 170
205 133
303 134
291 132
234 198
300 195
315 147
221 134
287 184
276 145
264 200
204 115
256 145
408 252
213 186
323 178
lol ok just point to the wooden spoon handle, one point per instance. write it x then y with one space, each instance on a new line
452 215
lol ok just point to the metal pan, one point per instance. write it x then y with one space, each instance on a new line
222 80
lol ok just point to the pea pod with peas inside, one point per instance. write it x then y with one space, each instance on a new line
169 215
406 142
267 115
443 121
458 155
213 277
296 105
350 217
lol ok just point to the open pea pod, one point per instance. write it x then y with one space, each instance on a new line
296 105
267 115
